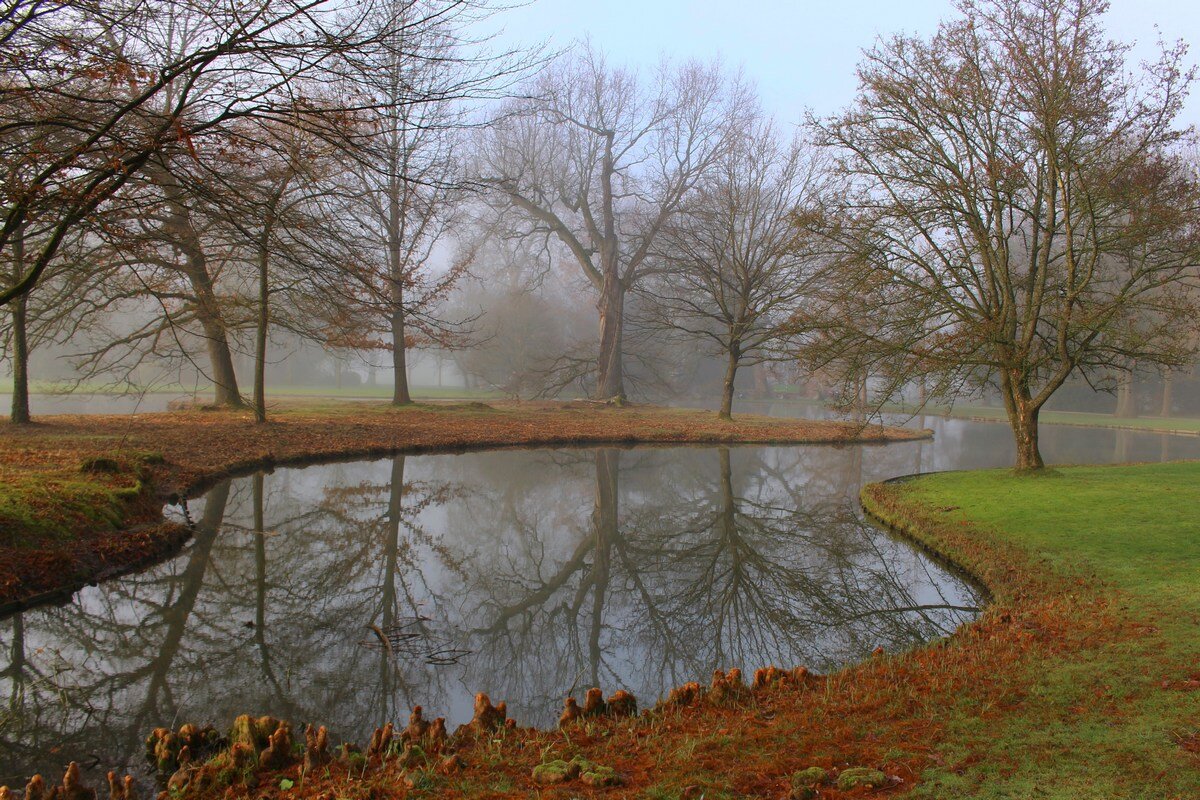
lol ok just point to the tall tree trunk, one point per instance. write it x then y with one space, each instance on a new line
396 221
208 308
400 394
611 383
1126 398
1167 399
225 391
260 340
731 368
20 339
1023 418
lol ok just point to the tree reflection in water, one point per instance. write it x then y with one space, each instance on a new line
348 593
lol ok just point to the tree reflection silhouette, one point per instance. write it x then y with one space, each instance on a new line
352 592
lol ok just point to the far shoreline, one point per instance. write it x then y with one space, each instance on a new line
81 496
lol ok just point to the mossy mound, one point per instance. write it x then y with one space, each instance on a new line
856 777
557 771
806 781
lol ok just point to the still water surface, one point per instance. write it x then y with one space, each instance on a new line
527 574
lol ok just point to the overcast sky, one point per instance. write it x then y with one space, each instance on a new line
800 54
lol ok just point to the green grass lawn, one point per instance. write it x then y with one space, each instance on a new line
1116 718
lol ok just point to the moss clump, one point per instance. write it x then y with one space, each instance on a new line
599 776
805 781
253 733
854 777
101 465
40 506
557 771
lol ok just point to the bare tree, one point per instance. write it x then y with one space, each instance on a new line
404 156
285 200
733 265
1014 202
198 217
55 312
602 160
407 172
91 92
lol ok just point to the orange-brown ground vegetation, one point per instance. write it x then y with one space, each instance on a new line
81 496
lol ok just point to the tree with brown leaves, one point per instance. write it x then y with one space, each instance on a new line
1016 207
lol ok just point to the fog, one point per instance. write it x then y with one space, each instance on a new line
534 203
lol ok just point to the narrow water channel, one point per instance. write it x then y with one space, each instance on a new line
347 593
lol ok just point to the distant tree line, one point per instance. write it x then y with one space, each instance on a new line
1007 206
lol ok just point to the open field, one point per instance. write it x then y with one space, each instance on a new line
80 496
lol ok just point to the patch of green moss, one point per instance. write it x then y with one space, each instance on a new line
557 771
805 781
40 507
856 777
600 776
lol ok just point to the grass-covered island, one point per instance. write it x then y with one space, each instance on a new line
81 497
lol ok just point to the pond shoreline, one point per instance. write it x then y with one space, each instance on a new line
55 544
927 719
882 717
1086 664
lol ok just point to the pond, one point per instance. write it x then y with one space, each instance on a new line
347 593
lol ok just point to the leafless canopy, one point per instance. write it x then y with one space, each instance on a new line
601 159
732 267
92 90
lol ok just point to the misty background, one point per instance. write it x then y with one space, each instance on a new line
519 306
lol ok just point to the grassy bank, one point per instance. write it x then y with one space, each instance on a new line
1105 698
81 499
